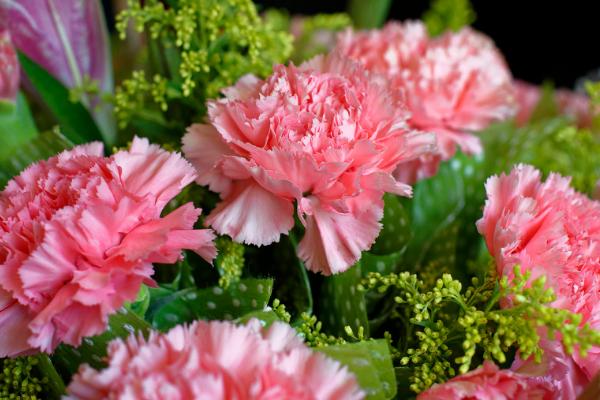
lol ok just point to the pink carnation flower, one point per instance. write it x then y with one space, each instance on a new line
553 231
556 377
572 104
9 68
216 360
321 137
453 85
78 236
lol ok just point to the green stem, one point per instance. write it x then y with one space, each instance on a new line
47 370
303 272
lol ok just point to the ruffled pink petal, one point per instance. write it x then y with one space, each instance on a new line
556 368
147 239
326 378
245 87
148 169
204 148
200 241
14 320
523 181
333 241
252 215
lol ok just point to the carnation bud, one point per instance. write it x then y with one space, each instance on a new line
9 69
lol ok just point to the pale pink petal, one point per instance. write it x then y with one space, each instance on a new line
148 169
204 148
14 320
252 215
333 241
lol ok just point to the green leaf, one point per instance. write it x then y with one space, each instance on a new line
384 264
372 364
92 350
45 145
368 14
445 15
212 303
342 304
74 119
396 232
436 204
141 303
267 317
16 126
473 174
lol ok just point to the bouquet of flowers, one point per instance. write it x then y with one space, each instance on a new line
268 206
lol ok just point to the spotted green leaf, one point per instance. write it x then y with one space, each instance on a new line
372 364
93 349
396 232
342 304
212 303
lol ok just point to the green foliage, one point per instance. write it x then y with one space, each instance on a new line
550 144
38 148
371 362
445 15
169 308
435 208
448 330
368 14
75 120
230 261
196 49
396 232
92 350
342 304
312 34
16 126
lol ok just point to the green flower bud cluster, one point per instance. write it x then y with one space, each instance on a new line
454 329
308 326
230 261
197 47
18 380
133 93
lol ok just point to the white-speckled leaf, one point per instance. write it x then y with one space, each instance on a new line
212 303
372 364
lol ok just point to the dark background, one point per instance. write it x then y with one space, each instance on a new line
541 40
556 41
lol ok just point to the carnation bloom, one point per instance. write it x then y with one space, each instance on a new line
552 231
453 84
555 377
323 137
78 236
216 361
9 68
572 104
